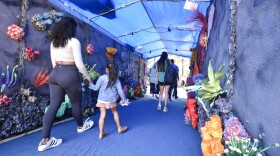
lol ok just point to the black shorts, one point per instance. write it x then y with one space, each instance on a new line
164 83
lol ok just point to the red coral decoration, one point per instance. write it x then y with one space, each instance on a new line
30 54
199 18
15 32
90 49
41 79
191 112
5 100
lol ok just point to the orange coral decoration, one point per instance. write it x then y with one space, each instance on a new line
5 100
203 39
15 32
212 134
41 79
137 90
194 55
110 52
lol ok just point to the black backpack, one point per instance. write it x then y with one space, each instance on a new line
170 74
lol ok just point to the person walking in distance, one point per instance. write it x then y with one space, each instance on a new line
163 85
64 79
174 85
154 88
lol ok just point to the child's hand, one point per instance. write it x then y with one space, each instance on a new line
91 86
125 102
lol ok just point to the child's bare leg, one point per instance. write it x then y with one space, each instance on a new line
116 117
101 120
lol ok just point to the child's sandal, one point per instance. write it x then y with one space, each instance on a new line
104 134
123 129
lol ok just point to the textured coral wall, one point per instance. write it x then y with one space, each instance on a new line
9 49
256 84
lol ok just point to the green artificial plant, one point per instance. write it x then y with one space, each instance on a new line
210 88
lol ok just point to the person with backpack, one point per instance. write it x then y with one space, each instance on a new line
164 74
174 85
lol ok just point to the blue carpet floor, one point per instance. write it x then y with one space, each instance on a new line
151 133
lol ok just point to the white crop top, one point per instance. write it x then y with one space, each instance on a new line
71 53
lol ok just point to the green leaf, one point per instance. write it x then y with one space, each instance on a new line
211 73
204 107
219 74
212 103
193 88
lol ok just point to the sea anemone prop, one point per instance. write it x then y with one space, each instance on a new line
41 78
6 81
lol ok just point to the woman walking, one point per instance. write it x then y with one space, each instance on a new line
163 85
64 79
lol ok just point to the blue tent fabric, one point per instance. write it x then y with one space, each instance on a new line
150 133
155 25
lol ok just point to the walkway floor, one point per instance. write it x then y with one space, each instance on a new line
151 133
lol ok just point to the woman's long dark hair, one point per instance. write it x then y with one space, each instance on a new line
62 31
113 74
161 61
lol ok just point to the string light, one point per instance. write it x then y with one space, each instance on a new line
165 48
169 29
123 6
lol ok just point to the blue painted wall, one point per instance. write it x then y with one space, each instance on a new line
9 49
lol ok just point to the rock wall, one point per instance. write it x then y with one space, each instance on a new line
256 82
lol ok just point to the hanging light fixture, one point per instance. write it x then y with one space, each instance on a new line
192 6
139 48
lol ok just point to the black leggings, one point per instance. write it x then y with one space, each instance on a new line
64 79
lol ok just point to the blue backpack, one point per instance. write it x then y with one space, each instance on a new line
170 74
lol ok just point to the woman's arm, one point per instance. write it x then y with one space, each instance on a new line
76 47
156 79
52 56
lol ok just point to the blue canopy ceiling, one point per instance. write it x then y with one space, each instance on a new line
154 25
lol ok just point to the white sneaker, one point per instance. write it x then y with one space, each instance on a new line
86 126
159 106
53 142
